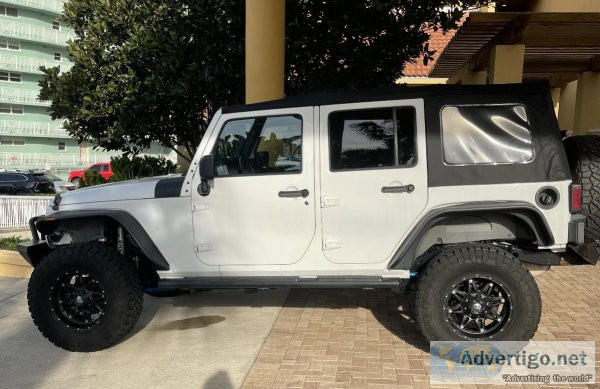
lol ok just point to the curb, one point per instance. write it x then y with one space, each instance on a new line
13 265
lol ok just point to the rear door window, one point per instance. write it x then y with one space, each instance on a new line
372 138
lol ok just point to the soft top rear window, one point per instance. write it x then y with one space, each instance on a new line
486 135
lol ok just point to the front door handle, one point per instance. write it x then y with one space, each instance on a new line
293 193
398 189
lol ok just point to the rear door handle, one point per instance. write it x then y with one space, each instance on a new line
398 189
293 193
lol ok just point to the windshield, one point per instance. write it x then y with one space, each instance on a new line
52 177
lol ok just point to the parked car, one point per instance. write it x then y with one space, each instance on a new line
449 192
61 185
24 183
104 169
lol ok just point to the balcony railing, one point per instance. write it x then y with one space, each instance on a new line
32 129
33 33
50 160
21 96
55 6
30 64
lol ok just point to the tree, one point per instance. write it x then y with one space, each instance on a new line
149 71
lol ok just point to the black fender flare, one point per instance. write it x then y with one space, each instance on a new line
130 223
525 212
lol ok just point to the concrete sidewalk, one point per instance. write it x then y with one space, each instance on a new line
201 340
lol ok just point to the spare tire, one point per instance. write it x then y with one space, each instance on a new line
583 153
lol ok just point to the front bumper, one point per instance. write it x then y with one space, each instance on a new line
33 250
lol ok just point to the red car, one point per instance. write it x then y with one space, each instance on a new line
103 168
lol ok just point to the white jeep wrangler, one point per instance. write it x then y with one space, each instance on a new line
453 190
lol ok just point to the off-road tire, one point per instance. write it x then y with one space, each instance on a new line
115 274
583 153
470 260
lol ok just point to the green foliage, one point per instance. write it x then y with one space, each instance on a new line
156 71
128 168
91 178
10 243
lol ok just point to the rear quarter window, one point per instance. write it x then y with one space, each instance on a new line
486 135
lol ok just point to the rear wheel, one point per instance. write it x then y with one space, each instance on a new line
477 292
21 192
85 297
583 153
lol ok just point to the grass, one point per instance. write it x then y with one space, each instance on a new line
10 243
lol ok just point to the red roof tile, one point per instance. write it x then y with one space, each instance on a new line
438 42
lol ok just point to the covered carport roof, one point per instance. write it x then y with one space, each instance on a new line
558 45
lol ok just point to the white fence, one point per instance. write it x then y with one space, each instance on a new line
49 160
15 211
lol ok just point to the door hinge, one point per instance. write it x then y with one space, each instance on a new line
331 243
203 247
198 206
330 202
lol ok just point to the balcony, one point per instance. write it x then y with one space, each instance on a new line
33 33
54 6
30 64
32 129
49 160
21 96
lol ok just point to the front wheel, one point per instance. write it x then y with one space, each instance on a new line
75 181
85 297
477 292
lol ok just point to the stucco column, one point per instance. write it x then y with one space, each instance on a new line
566 114
556 100
265 50
506 64
587 114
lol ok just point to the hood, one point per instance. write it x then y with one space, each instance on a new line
145 188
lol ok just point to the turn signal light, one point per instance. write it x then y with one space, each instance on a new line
576 199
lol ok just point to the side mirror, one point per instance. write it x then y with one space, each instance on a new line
207 172
207 167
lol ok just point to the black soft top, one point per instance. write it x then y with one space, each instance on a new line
395 93
550 162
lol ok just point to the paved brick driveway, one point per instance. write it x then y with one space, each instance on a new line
354 338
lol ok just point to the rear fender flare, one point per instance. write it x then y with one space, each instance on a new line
527 216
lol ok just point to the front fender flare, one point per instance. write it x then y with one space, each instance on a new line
130 223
